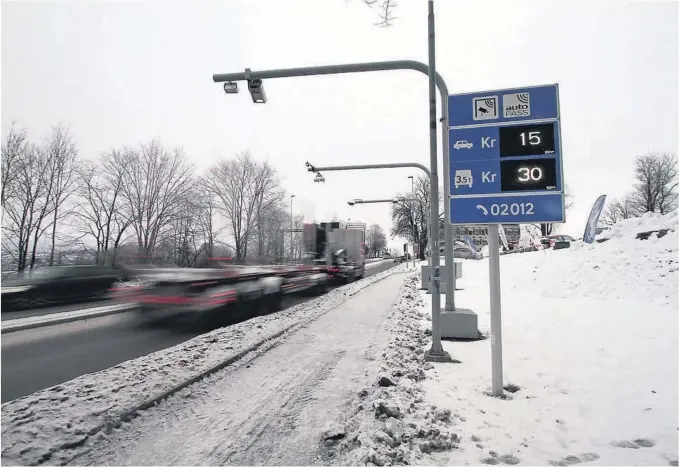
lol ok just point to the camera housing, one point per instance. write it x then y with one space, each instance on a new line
231 87
256 88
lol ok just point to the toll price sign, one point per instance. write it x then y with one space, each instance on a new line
527 140
506 143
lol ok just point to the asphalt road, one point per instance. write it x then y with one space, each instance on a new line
8 315
38 358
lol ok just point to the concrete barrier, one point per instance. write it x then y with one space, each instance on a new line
426 278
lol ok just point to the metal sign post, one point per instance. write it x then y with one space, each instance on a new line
495 309
505 168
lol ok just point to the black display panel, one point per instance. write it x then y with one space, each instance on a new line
527 175
527 140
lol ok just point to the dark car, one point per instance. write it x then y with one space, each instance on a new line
557 242
58 285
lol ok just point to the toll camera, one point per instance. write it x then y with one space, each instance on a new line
231 87
256 89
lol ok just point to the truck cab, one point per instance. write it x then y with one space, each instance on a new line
337 246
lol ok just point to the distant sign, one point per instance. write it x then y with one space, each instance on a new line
505 156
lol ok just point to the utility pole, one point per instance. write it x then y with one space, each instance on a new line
291 226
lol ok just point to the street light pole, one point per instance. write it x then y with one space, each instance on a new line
255 77
291 226
412 212
436 352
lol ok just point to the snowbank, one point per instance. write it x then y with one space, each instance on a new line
648 222
391 422
620 268
51 424
590 347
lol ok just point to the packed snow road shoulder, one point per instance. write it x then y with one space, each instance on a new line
390 422
271 409
53 425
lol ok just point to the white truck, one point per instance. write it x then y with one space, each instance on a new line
339 249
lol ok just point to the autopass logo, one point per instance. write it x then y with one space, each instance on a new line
516 105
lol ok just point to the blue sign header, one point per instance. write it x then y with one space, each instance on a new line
503 106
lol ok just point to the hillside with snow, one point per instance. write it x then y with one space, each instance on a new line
589 353
590 341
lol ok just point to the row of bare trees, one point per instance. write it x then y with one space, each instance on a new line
655 190
37 181
145 202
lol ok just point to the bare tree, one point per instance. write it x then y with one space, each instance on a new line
245 189
386 11
618 209
376 240
155 182
205 218
24 206
268 195
14 148
61 155
411 219
103 212
656 187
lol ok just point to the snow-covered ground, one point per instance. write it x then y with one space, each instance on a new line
590 342
273 407
55 424
590 364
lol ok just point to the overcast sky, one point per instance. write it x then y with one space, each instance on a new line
123 72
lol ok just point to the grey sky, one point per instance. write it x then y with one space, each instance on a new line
124 72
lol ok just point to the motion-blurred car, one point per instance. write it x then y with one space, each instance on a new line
465 252
557 242
58 285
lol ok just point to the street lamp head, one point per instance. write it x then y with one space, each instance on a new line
350 203
256 88
292 196
231 87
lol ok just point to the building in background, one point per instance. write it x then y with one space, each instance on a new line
479 234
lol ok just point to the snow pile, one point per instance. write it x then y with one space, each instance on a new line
590 356
647 223
391 422
52 424
620 268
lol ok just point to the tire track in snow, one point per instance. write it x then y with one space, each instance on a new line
276 424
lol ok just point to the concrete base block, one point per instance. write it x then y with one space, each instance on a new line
459 324
438 357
